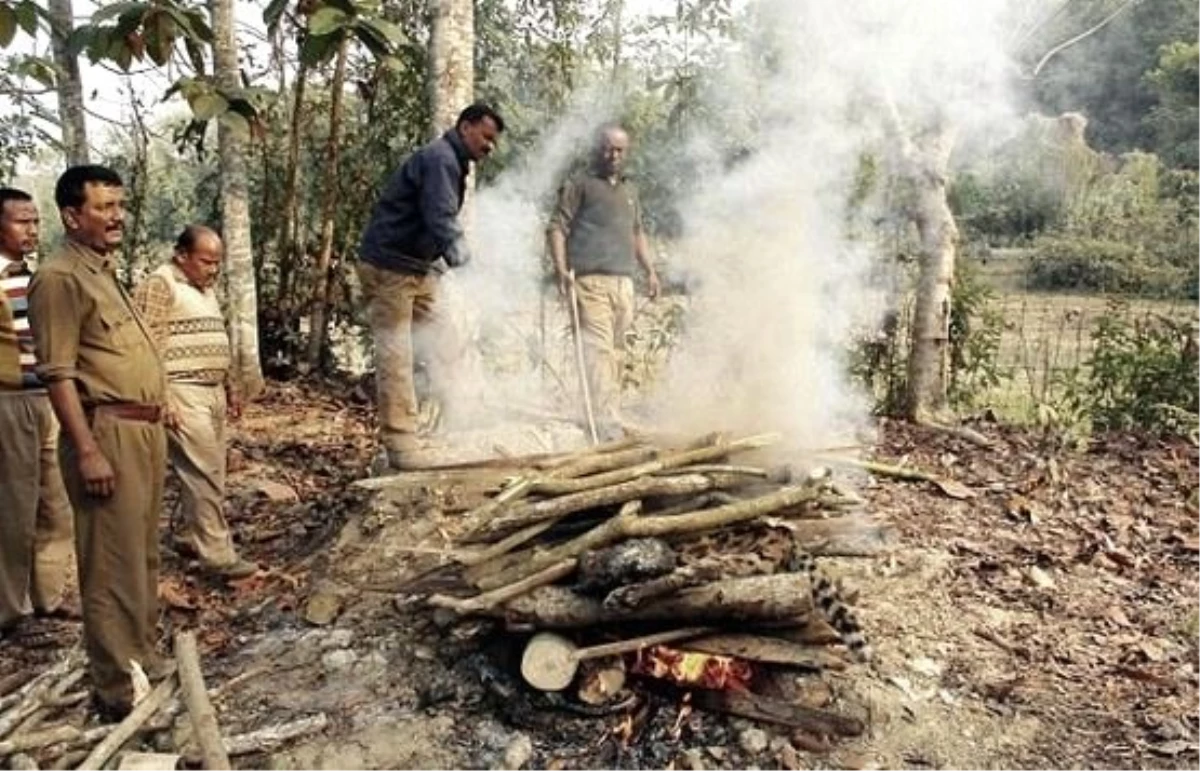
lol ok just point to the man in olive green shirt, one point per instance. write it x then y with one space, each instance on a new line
596 241
107 386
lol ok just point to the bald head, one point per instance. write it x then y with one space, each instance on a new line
198 254
612 145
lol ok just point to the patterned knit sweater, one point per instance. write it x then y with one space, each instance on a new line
187 326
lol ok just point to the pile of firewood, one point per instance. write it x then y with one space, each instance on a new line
632 560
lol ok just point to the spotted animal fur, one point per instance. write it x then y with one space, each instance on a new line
827 599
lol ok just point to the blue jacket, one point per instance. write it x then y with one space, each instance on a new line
415 220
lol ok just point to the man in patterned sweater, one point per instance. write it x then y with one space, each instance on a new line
35 515
184 316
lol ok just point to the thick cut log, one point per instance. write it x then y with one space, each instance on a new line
775 597
200 709
750 705
628 525
767 650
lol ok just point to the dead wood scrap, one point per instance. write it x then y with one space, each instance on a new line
556 508
713 452
267 739
750 705
488 600
195 695
756 598
47 737
767 650
483 479
950 487
132 723
628 525
49 702
31 697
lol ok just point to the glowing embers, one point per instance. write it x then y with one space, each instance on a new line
692 669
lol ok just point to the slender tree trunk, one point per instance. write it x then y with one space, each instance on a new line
285 243
69 83
928 362
618 37
319 316
235 215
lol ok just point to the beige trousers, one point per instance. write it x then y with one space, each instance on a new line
116 545
35 514
406 319
196 449
605 316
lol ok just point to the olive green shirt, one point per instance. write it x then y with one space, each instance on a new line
85 329
600 220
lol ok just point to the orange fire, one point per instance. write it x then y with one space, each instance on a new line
695 670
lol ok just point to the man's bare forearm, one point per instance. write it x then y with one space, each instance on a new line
558 250
641 250
64 398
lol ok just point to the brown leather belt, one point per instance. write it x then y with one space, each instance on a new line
142 413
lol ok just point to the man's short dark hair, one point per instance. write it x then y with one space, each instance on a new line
12 194
71 189
478 112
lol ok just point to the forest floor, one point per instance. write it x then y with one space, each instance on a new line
1045 616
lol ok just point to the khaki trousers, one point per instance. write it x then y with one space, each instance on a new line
35 514
406 320
196 450
605 316
116 544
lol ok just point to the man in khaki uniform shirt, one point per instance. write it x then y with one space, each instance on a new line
184 316
35 515
596 242
108 389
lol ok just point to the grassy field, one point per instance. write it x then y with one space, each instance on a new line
1047 336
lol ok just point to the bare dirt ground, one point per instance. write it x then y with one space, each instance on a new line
1047 620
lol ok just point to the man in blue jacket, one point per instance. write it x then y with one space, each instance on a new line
413 237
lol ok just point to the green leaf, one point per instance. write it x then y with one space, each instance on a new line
106 12
8 25
327 20
80 39
317 49
195 54
373 41
132 19
159 32
273 13
27 17
208 105
36 68
389 31
237 125
191 24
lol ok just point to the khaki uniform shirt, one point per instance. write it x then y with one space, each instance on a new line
86 329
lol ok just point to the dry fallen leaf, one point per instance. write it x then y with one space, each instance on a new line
955 489
174 596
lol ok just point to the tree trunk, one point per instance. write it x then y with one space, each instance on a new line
235 216
451 61
319 314
69 84
452 75
928 361
285 244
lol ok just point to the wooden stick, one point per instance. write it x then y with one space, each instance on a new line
557 508
504 546
269 738
68 662
881 469
755 707
48 702
195 695
56 735
499 596
674 460
627 525
580 364
129 726
717 468
607 461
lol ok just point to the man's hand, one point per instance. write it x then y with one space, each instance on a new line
170 417
458 254
233 404
653 287
565 279
98 477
